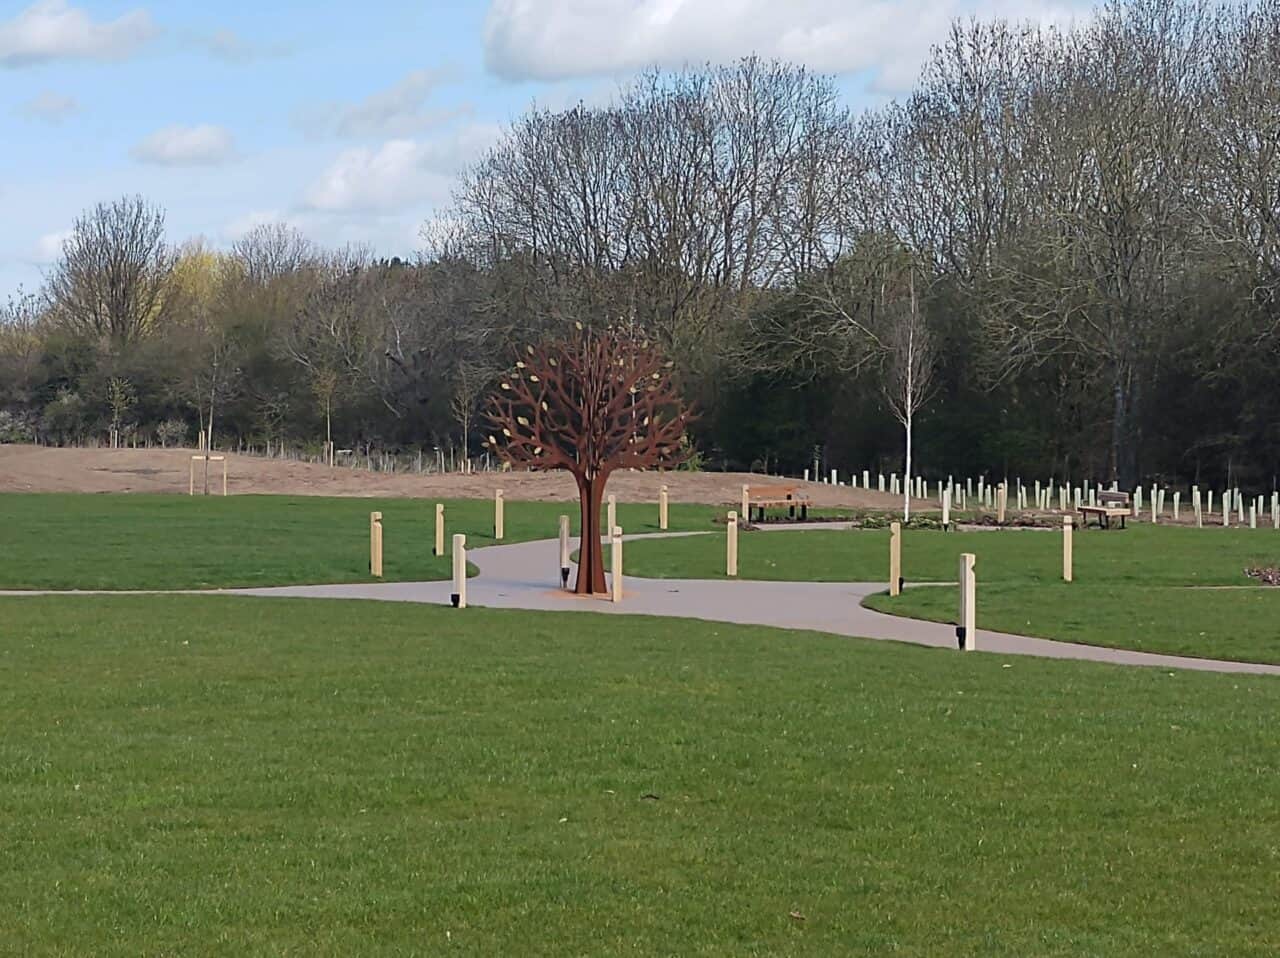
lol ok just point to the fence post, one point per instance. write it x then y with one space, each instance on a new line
375 544
967 628
895 558
564 552
615 563
459 571
1068 527
662 508
731 559
611 515
498 517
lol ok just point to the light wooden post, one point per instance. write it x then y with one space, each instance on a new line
968 619
946 507
375 544
611 516
224 475
564 552
895 558
662 508
731 558
439 543
746 504
1253 516
615 564
498 516
1068 527
191 488
1002 497
1177 502
459 596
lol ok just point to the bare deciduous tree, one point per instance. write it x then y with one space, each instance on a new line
113 279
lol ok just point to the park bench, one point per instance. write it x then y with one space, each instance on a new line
1110 505
762 498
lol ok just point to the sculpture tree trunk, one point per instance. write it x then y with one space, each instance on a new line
590 554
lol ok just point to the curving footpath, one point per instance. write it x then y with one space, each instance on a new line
526 576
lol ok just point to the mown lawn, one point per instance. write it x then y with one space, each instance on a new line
1133 589
1141 555
61 541
213 775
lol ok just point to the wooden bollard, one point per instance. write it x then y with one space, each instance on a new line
946 508
499 518
439 543
611 515
662 508
967 626
564 552
895 558
731 557
615 563
459 596
1068 527
375 544
1002 498
746 503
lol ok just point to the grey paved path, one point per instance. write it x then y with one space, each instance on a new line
525 576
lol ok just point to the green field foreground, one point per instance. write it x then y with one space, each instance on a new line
215 775
58 541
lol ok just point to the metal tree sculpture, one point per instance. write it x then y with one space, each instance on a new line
592 403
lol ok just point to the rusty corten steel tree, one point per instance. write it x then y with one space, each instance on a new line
590 403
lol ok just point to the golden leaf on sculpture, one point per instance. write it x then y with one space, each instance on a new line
507 433
534 379
522 420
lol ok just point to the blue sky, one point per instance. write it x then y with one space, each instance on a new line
349 120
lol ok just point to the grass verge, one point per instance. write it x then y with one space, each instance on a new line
203 775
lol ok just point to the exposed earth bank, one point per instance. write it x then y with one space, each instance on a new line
45 469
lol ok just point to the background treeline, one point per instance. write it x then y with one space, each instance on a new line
1060 255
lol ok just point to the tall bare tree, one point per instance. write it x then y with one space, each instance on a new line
112 281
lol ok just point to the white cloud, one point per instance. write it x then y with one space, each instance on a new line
246 223
50 106
203 145
400 110
54 30
558 39
398 173
229 46
48 248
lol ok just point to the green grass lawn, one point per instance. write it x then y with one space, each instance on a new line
1138 556
205 775
1131 587
180 542
1237 624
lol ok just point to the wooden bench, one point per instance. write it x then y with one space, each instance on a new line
1110 505
761 498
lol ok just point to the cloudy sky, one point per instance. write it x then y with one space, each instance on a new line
349 119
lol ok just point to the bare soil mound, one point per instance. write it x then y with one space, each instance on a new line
44 469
